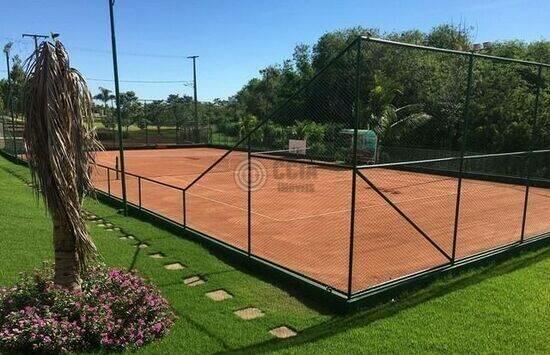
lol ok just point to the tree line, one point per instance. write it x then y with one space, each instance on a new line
411 98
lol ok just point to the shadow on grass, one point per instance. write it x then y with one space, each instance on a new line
362 317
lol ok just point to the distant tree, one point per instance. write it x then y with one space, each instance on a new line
389 121
105 95
129 108
156 113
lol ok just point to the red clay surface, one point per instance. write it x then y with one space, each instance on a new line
301 213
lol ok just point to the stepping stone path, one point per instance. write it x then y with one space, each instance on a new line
156 256
193 281
283 332
249 313
218 295
174 266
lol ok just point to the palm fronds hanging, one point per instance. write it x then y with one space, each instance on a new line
60 142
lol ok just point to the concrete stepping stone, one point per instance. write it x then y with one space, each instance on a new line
117 229
130 237
110 225
283 332
109 229
101 225
174 266
157 256
219 295
142 245
123 238
249 313
194 281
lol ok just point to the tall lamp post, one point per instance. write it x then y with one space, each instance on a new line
117 100
195 112
7 49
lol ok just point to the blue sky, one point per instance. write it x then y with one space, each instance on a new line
236 38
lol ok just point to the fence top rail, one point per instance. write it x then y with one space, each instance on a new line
475 156
142 177
454 51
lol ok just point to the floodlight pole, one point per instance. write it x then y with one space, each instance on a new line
10 100
194 57
117 99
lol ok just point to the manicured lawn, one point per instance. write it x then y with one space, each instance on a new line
499 309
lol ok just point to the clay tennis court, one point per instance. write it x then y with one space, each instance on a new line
301 213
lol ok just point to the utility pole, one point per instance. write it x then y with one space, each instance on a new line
7 49
145 120
117 98
35 37
194 57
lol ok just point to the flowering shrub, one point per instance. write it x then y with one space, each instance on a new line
115 310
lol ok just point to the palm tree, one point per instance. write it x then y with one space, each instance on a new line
388 120
60 142
104 96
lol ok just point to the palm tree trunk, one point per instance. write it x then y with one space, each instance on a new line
67 269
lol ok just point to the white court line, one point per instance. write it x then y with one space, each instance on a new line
321 214
237 207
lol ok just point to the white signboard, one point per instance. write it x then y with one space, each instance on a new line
297 146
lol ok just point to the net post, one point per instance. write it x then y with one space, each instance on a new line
116 168
184 207
354 170
465 112
139 191
529 154
109 182
249 192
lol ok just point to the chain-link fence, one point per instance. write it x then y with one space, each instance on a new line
394 161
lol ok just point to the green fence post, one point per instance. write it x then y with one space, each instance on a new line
528 157
249 191
354 171
465 112
117 99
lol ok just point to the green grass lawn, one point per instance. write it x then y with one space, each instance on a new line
500 309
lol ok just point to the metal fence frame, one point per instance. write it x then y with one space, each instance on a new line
348 294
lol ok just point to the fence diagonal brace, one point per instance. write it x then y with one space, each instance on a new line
394 206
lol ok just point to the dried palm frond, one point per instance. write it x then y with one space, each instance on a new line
60 140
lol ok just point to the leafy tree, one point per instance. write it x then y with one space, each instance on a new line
129 108
156 113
